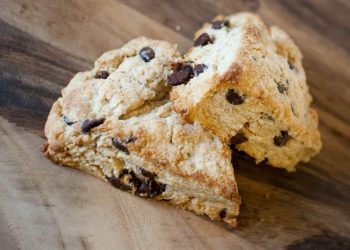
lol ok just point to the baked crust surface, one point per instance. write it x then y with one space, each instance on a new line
253 87
116 122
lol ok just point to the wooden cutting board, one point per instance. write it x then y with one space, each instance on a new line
44 206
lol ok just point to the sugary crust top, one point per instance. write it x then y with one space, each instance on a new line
131 102
255 61
159 139
89 97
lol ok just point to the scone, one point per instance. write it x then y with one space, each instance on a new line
116 122
245 83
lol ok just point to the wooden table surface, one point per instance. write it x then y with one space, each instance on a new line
42 206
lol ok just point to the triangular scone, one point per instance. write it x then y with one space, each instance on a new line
121 130
247 85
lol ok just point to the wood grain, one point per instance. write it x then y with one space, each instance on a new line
43 43
46 207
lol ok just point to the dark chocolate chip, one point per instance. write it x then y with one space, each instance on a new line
147 54
181 75
222 213
143 190
167 200
202 40
291 65
120 146
282 139
156 187
199 68
67 121
264 162
136 181
146 173
130 139
124 172
234 98
238 139
89 124
118 183
102 74
281 88
150 188
216 25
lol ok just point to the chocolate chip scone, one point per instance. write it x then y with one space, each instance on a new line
245 82
116 122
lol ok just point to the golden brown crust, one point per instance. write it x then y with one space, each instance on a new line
264 66
139 130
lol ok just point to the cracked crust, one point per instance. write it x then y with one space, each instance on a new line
263 66
141 146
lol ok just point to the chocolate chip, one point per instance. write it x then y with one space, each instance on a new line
146 173
234 98
120 146
264 162
143 190
150 188
282 139
116 182
135 180
291 65
238 139
130 139
181 75
281 88
102 74
156 187
216 25
202 40
89 124
147 54
167 200
199 68
124 172
67 121
222 213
